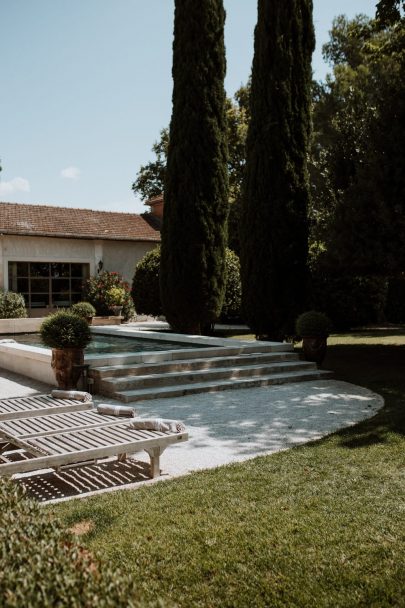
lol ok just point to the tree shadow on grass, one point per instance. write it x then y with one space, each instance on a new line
380 368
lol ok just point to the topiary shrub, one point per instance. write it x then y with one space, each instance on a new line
43 566
395 301
146 290
65 330
350 301
313 323
145 285
231 308
95 292
83 310
12 305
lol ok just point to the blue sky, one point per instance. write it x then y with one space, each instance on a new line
86 88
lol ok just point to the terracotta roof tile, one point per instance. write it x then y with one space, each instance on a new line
45 220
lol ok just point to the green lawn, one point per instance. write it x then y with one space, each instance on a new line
318 525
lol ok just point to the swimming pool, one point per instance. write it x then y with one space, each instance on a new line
107 344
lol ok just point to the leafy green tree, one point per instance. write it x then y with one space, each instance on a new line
389 11
150 177
274 225
358 151
192 276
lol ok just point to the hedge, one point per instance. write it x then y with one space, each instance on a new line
43 566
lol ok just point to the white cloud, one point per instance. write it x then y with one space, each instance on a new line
18 184
70 173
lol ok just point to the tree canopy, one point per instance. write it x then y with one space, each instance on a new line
358 154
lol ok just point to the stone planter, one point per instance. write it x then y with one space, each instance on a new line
117 310
66 364
314 348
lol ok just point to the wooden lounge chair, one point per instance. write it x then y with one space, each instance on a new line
87 440
38 405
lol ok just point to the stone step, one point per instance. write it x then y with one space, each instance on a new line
115 359
141 369
130 396
111 385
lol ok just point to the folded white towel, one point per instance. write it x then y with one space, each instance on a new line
116 410
158 424
78 395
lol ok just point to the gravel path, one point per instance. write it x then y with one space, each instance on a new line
224 427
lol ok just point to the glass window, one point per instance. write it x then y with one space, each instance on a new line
60 270
39 269
48 283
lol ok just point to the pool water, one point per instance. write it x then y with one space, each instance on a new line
105 344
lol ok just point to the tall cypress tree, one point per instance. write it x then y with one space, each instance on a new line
274 230
192 275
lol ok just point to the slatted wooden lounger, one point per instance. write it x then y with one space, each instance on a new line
38 405
86 440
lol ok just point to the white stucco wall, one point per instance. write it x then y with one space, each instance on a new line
122 256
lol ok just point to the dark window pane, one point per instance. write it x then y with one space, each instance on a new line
39 269
77 285
22 269
76 297
40 285
60 299
60 285
22 285
77 269
60 270
26 298
39 300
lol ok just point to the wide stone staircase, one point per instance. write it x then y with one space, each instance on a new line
202 370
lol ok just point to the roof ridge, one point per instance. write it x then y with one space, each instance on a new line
48 206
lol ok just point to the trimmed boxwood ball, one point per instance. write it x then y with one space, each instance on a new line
12 305
65 330
83 309
313 323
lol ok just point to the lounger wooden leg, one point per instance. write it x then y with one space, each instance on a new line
154 454
122 457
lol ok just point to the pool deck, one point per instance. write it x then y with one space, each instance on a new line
224 428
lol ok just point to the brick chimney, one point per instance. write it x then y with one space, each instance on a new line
156 204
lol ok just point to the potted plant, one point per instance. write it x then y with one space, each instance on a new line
115 300
68 335
314 328
85 310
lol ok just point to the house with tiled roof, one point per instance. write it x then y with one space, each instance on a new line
47 252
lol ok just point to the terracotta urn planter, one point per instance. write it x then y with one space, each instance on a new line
314 348
67 334
66 364
313 327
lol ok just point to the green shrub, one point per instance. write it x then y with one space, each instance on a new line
231 308
43 566
395 301
83 309
145 284
313 323
350 301
65 330
12 305
95 292
146 291
115 297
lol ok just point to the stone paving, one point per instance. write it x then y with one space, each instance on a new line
224 427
